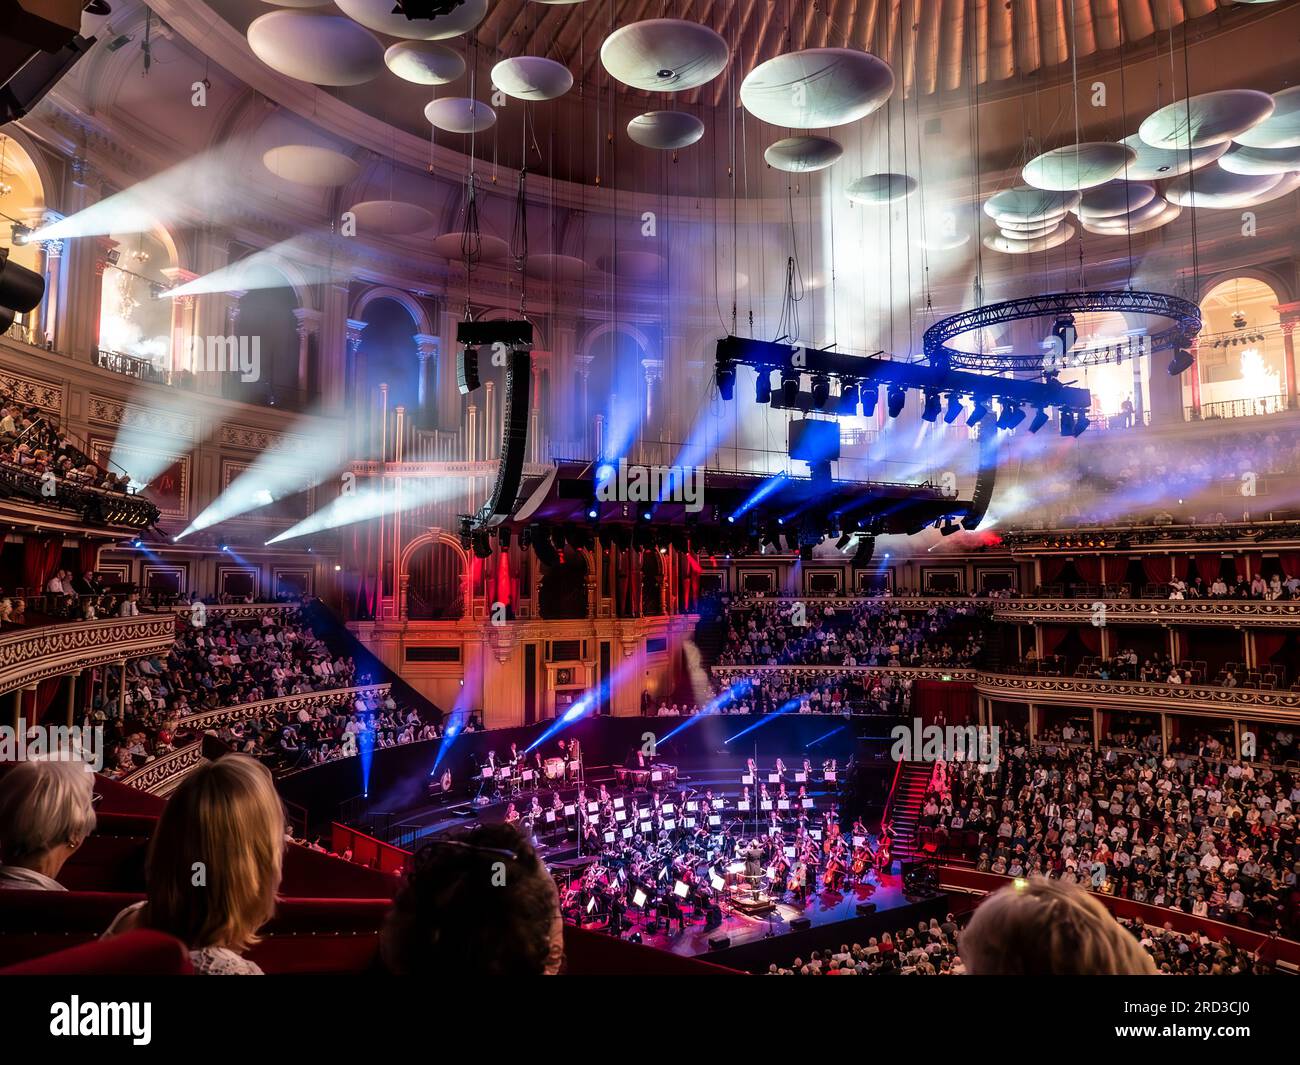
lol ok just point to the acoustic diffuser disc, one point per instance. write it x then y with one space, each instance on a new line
881 188
391 217
424 62
664 55
1260 160
1023 203
306 164
380 16
802 154
665 130
1114 198
1078 166
1054 239
1208 119
320 49
531 77
817 87
1282 128
1219 188
459 114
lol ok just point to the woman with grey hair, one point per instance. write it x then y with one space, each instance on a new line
46 811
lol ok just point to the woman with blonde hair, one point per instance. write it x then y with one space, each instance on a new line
1041 927
214 865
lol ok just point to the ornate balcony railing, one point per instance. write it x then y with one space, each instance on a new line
161 776
31 655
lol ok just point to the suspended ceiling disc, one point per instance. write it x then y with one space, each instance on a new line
1078 166
321 49
531 77
639 266
452 246
293 3
1051 220
378 15
1118 228
1287 184
798 155
391 217
817 87
1260 160
1054 239
1114 198
1024 203
1219 188
1030 234
1156 164
1211 118
559 268
307 164
876 189
1282 128
1134 217
664 55
665 130
424 62
459 114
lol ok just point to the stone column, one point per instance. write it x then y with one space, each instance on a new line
184 319
308 325
651 424
427 347
1289 315
332 348
582 401
353 391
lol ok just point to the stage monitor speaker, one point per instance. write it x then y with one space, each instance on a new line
865 908
467 379
719 942
800 924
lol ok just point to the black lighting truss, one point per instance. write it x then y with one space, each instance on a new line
765 356
1183 315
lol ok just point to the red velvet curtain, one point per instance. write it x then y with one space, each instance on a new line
1156 568
40 559
955 699
1051 568
1090 637
87 556
1089 567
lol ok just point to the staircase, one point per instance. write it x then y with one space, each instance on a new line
906 801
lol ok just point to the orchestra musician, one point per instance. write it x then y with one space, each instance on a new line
512 815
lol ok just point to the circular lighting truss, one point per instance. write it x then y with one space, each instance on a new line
1182 318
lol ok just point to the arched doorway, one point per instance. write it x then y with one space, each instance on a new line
1241 357
436 590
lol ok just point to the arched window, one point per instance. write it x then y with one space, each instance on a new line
133 320
389 354
21 199
615 391
436 590
266 317
1241 358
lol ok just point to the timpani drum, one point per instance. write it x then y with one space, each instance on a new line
554 768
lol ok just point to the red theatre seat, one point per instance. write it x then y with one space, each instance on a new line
141 953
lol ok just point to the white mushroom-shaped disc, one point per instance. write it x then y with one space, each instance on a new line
1113 199
1287 184
1030 234
1023 203
1009 226
817 87
424 62
1138 214
1054 239
321 49
1211 118
306 164
459 114
1282 128
1219 188
798 155
559 268
378 15
665 130
1260 160
531 77
454 245
1118 227
1078 166
283 3
881 188
1156 164
391 217
664 55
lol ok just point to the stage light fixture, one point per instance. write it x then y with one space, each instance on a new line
978 412
843 541
1066 418
19 234
821 391
789 388
949 527
896 400
870 398
933 404
1040 419
1181 361
726 376
1081 423
763 387
1012 414
955 409
593 512
482 546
